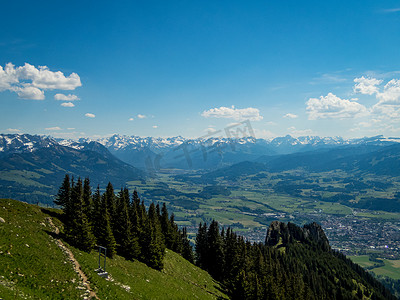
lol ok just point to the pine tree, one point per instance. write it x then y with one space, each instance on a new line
78 229
96 215
127 244
153 248
187 251
64 193
216 260
105 234
166 227
109 197
87 198
202 247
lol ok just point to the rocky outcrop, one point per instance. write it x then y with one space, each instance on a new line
280 234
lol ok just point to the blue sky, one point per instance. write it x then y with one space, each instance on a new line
168 68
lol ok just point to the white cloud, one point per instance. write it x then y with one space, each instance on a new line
155 126
388 105
28 92
249 113
67 104
69 97
89 115
332 106
210 130
71 128
300 132
141 116
390 94
53 128
12 130
131 119
30 82
290 116
366 86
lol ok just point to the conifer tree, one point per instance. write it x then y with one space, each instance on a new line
187 250
166 227
97 211
202 247
64 193
87 198
109 197
134 217
78 229
153 248
215 246
127 244
105 234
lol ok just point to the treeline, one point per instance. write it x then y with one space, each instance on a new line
120 223
293 268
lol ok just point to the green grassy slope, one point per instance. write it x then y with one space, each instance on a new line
34 267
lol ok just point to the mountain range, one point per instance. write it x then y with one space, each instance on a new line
41 161
31 166
214 152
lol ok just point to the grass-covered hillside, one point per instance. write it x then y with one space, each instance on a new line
35 266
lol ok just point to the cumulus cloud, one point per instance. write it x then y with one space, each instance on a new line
155 126
250 113
90 115
131 119
53 128
30 82
28 92
12 130
388 105
68 97
332 106
290 116
390 94
67 104
366 86
141 116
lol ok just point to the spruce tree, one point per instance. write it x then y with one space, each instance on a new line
87 198
78 229
153 248
64 192
105 234
187 250
166 227
215 246
109 197
128 245
97 211
202 247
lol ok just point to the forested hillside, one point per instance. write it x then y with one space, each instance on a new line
293 263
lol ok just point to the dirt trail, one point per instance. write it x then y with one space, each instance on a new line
84 282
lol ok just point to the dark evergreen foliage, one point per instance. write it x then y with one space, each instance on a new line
295 263
119 224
